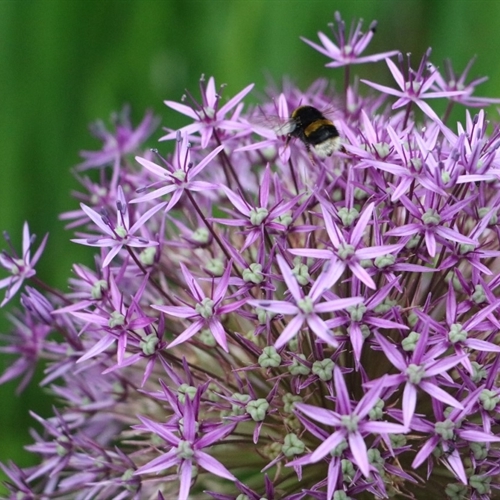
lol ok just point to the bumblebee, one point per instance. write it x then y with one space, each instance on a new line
317 132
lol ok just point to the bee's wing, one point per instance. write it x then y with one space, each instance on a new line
285 128
279 126
330 112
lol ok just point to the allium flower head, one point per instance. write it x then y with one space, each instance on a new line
209 116
20 267
124 139
262 324
118 233
451 81
350 423
186 450
415 85
178 176
348 48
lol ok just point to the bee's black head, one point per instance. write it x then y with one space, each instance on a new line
307 114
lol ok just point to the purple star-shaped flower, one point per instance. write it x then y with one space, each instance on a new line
120 233
348 250
307 308
179 176
419 371
351 424
185 450
206 312
208 116
20 268
348 49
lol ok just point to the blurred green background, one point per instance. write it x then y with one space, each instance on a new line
66 63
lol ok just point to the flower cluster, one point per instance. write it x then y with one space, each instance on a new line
264 323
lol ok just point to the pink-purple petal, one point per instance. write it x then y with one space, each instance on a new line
185 477
160 463
277 306
358 449
439 394
290 280
327 446
291 329
409 403
212 465
193 329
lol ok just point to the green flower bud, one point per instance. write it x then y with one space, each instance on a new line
263 316
479 450
456 491
382 149
180 175
346 251
480 483
257 409
284 219
205 308
479 296
297 368
482 213
301 273
269 358
431 217
215 267
306 305
397 440
289 401
360 194
341 495
184 450
147 256
347 470
323 369
489 399
384 261
207 338
292 446
478 372
272 450
339 449
120 231
148 344
457 333
186 390
410 343
348 216
253 274
258 215
416 163
445 429
98 288
385 306
116 319
415 373
201 235
377 411
237 409
357 312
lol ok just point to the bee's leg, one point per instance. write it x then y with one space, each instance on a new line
309 153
